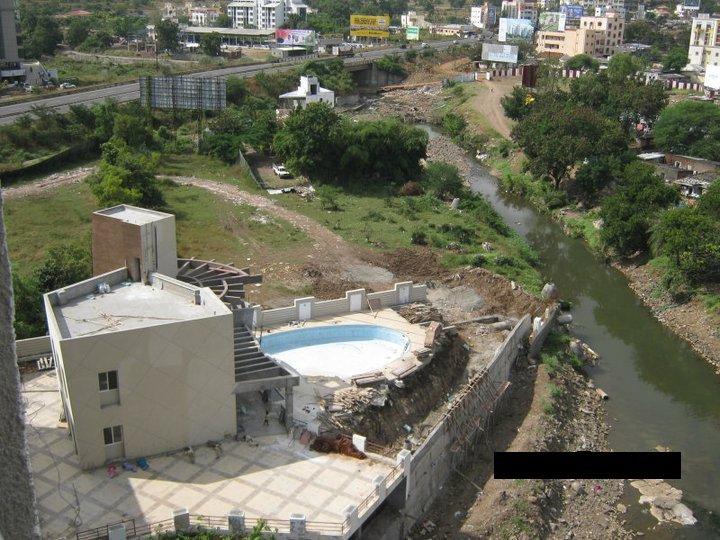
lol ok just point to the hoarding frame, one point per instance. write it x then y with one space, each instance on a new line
507 24
496 52
371 26
552 21
412 33
183 92
572 11
295 37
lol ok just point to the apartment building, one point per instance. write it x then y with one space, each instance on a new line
264 14
595 36
413 18
484 16
204 16
519 9
8 37
704 47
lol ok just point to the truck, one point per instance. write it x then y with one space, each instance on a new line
343 50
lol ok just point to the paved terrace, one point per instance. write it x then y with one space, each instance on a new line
272 480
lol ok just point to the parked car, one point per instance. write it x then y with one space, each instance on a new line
424 45
281 171
67 85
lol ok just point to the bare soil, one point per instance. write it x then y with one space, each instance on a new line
487 103
690 320
55 180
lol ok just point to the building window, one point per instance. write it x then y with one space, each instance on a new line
108 380
112 435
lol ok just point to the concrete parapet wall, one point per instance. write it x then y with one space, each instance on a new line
33 348
355 300
541 333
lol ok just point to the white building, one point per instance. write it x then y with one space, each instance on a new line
204 16
413 18
519 9
484 16
264 14
309 91
704 47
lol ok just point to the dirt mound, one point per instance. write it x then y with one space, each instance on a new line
417 264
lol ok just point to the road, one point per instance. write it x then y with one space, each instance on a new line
130 91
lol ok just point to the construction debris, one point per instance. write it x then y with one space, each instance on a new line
340 444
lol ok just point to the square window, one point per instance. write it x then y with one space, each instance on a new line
112 435
117 434
107 435
108 380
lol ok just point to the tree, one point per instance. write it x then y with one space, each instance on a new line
126 177
556 137
690 127
167 35
391 64
134 130
623 66
236 90
223 21
223 146
596 174
331 74
709 202
675 60
42 38
582 61
517 104
77 31
442 180
629 212
310 142
691 241
453 124
210 44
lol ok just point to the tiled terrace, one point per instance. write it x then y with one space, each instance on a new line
274 479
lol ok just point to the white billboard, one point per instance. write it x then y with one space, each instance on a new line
712 77
515 29
492 52
552 21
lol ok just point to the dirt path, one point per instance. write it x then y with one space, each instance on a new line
73 176
331 253
487 103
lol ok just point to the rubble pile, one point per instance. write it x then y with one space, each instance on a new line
441 148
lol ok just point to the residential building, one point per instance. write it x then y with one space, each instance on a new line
704 47
413 18
484 16
457 30
150 353
264 14
519 9
8 37
309 91
596 36
190 36
170 12
687 11
204 16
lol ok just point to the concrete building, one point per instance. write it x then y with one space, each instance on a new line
457 30
204 16
231 37
519 9
8 36
264 14
704 47
309 91
150 353
413 18
596 36
484 16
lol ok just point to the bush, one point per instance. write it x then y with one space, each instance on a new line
478 260
419 237
442 180
329 197
411 189
454 125
391 64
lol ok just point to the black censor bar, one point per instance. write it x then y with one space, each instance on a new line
587 465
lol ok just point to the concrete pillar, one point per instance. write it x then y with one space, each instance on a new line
181 519
297 524
236 522
117 532
380 487
405 457
288 406
351 516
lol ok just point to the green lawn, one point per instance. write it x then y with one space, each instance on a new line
208 227
386 222
206 167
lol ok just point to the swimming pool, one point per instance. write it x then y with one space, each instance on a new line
343 350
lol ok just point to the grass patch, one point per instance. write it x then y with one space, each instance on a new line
551 361
208 227
581 225
206 167
381 220
712 302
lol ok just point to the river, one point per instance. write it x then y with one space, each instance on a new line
661 392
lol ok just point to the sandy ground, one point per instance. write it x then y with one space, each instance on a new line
73 176
487 103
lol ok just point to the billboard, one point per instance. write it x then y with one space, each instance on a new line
691 3
515 29
492 52
412 33
572 11
303 38
552 21
372 26
712 77
178 92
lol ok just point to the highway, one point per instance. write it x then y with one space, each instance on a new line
130 91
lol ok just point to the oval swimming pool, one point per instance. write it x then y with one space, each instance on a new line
342 350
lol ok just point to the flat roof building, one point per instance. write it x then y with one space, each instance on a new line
309 91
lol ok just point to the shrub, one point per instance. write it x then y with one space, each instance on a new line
454 124
442 180
411 189
419 237
329 197
551 362
478 260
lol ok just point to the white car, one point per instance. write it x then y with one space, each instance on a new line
281 171
67 85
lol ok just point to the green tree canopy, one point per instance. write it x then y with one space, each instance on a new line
78 31
442 180
517 104
582 61
709 202
210 44
41 38
690 127
167 35
675 60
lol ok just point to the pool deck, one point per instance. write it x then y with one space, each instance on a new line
271 478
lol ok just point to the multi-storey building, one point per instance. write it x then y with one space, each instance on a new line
8 37
704 47
413 18
204 16
519 9
596 36
484 16
264 14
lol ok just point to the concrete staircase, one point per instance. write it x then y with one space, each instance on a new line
250 361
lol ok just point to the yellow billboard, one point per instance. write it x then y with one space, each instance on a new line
369 32
375 22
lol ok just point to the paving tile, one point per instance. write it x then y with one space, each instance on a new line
109 493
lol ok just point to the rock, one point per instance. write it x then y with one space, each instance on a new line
621 508
487 246
432 333
549 292
683 515
455 203
565 318
459 514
